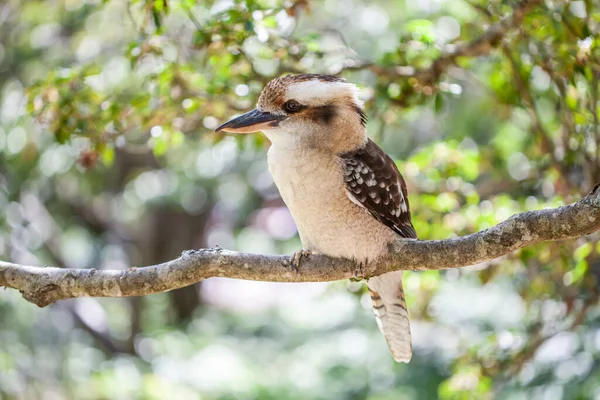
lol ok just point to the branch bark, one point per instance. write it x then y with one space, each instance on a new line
45 285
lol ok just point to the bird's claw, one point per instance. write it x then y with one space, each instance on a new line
359 272
297 256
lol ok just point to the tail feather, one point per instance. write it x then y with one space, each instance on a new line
391 313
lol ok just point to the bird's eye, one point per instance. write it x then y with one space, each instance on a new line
292 106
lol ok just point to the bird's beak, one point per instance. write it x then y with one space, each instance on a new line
253 121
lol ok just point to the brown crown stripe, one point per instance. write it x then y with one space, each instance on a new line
310 77
274 92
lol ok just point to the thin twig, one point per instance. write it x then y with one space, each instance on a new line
193 18
528 101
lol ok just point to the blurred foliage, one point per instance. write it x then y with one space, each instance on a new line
108 159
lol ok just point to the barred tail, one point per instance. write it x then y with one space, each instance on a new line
391 313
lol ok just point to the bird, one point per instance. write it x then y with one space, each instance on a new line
345 194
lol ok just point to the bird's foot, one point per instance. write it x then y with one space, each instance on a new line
297 256
359 272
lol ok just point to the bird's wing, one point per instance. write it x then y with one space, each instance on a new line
375 184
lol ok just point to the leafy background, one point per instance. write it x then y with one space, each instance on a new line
108 159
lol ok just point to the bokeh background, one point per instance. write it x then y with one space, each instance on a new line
108 159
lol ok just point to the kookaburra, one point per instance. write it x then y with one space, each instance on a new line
345 194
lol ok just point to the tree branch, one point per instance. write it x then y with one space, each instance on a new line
45 285
480 46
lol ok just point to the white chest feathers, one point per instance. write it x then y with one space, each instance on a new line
312 186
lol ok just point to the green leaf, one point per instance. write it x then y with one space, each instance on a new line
582 252
421 30
107 156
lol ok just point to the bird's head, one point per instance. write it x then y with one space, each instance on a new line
316 111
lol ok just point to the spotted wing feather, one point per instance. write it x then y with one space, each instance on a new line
374 183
